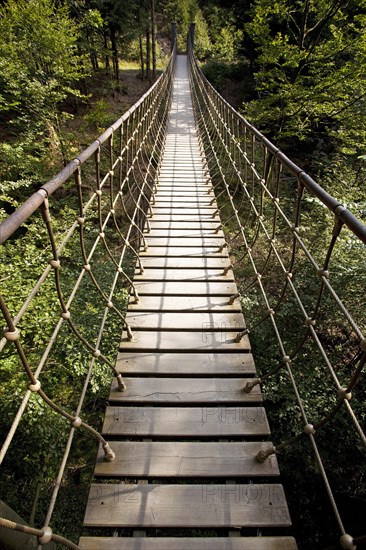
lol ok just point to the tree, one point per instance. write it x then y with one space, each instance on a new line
40 67
224 33
310 70
39 62
153 38
121 23
184 12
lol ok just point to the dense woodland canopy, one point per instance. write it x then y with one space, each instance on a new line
295 68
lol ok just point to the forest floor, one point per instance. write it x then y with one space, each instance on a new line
105 100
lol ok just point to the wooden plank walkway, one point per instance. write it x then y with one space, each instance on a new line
184 432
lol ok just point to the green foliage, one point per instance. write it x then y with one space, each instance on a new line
185 12
225 36
99 117
309 70
217 71
38 60
39 69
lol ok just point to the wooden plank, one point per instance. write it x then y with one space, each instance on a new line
179 176
167 227
186 459
193 206
161 225
173 154
185 364
199 342
160 214
177 200
185 321
188 164
187 211
187 182
188 176
152 506
184 391
187 168
204 212
190 543
201 241
212 421
177 288
181 251
187 233
185 303
181 188
195 264
184 275
172 192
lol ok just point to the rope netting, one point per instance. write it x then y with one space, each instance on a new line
108 189
296 253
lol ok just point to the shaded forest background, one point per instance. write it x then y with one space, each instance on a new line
294 69
68 68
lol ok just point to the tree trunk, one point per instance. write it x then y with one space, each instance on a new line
92 52
153 39
105 37
113 35
142 58
148 73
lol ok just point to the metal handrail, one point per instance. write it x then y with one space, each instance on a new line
265 240
114 181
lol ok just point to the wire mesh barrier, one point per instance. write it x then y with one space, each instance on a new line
88 219
298 258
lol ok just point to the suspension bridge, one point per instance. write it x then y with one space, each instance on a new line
205 212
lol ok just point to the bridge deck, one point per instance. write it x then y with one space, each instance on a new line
184 433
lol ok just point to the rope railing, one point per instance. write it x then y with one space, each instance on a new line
289 258
109 187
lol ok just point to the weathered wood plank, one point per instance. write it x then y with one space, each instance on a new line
189 252
194 207
185 233
185 364
184 275
161 225
183 505
187 190
161 214
190 177
185 303
190 543
205 263
186 459
186 321
186 182
202 179
212 421
184 391
170 211
177 288
188 164
189 198
199 342
201 241
187 168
